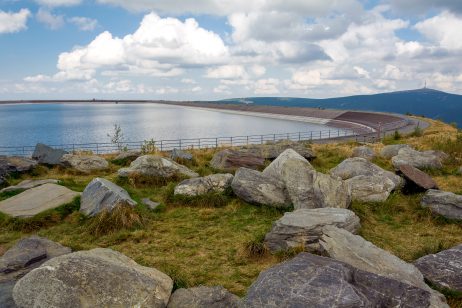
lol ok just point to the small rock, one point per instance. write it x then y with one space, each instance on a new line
47 155
366 188
255 187
101 195
443 269
155 166
389 151
200 186
150 204
84 164
273 150
419 160
128 155
203 297
443 203
94 278
364 152
303 228
28 184
416 179
230 160
36 200
180 155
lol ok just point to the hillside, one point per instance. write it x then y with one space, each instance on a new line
427 102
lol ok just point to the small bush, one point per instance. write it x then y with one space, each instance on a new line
397 135
107 222
418 132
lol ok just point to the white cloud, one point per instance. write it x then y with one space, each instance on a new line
47 18
188 81
266 86
443 29
227 72
84 23
13 22
258 70
56 3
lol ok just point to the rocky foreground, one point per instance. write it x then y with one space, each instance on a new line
338 268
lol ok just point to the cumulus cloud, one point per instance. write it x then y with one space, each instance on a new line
49 19
227 72
443 30
419 6
84 23
55 3
11 22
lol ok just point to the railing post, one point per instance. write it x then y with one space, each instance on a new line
161 146
216 142
97 149
23 151
180 144
299 136
231 141
311 135
288 138
199 143
261 139
320 134
247 140
329 133
274 137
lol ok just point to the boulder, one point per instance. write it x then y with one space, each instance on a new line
230 160
303 228
313 281
273 150
443 203
389 151
367 188
419 160
364 152
255 187
128 155
275 169
203 297
416 180
27 254
180 155
150 204
101 195
343 246
14 164
156 166
217 183
443 269
84 163
36 200
47 155
28 184
94 278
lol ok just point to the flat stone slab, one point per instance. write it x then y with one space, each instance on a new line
36 200
418 178
28 184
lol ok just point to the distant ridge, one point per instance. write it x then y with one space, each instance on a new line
427 102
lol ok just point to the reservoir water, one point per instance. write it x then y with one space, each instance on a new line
54 124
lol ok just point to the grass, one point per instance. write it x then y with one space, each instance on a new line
217 239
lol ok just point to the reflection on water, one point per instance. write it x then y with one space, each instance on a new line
27 124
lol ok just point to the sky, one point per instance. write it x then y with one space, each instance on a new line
217 49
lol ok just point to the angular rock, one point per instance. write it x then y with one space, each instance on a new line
273 150
47 155
217 183
419 160
150 204
101 195
364 152
343 246
230 160
27 254
95 278
366 188
303 228
416 179
443 203
180 155
13 164
313 281
36 200
155 166
275 169
443 269
84 163
254 187
389 151
203 297
128 155
28 184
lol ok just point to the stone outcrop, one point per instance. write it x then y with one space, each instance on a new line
443 269
84 163
155 166
313 281
27 254
256 188
419 160
274 149
95 278
36 200
203 297
443 203
389 151
180 155
416 180
366 188
230 160
47 155
103 195
28 184
217 183
303 228
363 152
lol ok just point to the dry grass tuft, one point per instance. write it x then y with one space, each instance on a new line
107 222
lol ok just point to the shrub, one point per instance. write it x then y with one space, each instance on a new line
117 137
418 132
397 135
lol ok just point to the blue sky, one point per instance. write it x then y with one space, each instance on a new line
212 49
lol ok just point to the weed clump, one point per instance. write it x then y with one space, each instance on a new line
121 217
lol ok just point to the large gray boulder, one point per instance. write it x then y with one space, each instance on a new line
389 151
47 155
230 160
277 166
203 297
274 149
28 184
419 160
256 188
103 195
313 281
303 228
364 152
27 254
14 164
156 166
84 163
443 269
443 203
127 155
344 246
177 154
217 183
95 278
366 188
